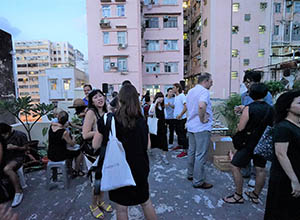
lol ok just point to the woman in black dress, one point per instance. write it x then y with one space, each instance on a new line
157 110
132 132
283 199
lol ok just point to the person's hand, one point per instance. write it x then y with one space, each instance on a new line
11 147
239 109
206 117
296 189
7 214
178 117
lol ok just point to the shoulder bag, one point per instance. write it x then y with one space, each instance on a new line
152 122
264 147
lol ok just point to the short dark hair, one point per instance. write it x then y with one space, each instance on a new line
178 86
62 117
114 94
87 85
283 104
253 76
147 98
126 82
169 89
258 91
5 128
203 77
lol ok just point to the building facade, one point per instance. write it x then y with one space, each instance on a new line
34 57
140 41
226 38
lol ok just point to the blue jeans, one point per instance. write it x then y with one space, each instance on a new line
198 146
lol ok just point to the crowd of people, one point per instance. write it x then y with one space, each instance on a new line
190 115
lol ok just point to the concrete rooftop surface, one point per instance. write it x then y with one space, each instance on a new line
171 193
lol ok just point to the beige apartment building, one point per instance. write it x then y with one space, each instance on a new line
33 57
226 38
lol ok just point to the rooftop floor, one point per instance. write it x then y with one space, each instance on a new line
171 193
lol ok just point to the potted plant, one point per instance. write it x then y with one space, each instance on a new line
23 106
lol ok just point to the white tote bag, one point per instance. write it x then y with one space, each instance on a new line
116 172
152 125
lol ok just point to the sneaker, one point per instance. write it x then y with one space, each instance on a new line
251 183
177 148
164 159
17 200
204 186
170 146
190 178
182 154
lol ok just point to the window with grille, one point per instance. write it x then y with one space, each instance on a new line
121 10
152 22
246 40
170 44
106 10
152 45
235 7
234 53
246 62
235 29
170 22
152 68
122 64
171 67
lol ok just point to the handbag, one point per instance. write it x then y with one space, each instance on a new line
240 139
152 122
116 172
264 147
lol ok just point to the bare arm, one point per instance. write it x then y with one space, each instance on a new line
87 128
68 139
202 112
182 112
149 142
1 152
97 140
281 153
243 119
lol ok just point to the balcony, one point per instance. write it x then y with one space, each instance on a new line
104 23
105 0
120 0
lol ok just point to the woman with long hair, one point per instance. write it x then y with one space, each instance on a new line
157 110
283 199
96 109
132 132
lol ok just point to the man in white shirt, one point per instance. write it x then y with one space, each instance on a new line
199 125
180 119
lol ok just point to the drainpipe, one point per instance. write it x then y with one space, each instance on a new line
230 65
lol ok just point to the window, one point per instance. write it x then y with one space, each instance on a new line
235 29
121 10
152 45
170 44
246 40
263 5
169 2
205 43
234 53
105 37
276 30
106 64
288 6
261 52
149 2
152 22
170 22
277 7
235 7
296 32
247 17
122 37
122 64
106 11
152 67
297 7
246 62
205 63
205 22
234 75
261 29
171 67
67 84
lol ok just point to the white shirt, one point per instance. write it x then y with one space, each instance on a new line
195 96
179 102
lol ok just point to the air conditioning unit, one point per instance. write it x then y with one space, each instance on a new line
122 46
289 4
166 17
157 64
113 65
198 57
104 21
165 42
198 28
124 73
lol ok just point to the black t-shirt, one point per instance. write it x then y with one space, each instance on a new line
17 138
286 131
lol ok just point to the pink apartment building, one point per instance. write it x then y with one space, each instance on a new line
140 41
227 37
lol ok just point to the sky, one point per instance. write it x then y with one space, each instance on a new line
54 20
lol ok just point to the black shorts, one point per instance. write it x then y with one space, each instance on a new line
19 160
243 157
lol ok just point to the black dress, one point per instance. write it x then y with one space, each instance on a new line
57 150
135 143
280 203
160 140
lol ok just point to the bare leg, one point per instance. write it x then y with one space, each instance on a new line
260 180
78 161
148 210
238 179
12 175
122 212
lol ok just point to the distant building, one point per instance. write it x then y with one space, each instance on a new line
226 38
140 41
34 57
59 84
7 80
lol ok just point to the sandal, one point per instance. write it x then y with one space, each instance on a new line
105 207
96 212
253 197
235 200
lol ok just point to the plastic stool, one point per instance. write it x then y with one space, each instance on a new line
21 177
53 166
